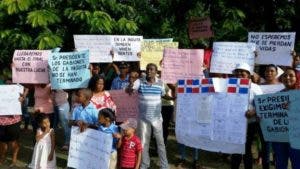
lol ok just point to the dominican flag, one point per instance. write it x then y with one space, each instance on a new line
207 86
181 86
236 85
188 86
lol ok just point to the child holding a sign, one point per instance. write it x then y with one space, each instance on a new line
130 146
84 115
106 119
44 154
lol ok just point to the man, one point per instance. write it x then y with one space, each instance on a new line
150 90
122 80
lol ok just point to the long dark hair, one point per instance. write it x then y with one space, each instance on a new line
93 81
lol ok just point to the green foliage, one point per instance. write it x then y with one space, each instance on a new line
48 40
42 18
15 6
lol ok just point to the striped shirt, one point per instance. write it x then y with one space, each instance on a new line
129 149
150 98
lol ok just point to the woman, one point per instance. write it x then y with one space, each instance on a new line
283 151
101 98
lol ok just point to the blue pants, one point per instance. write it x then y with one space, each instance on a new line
283 152
182 153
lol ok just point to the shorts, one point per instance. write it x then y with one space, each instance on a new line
10 132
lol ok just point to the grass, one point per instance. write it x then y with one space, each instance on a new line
208 160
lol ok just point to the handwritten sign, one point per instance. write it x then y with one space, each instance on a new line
152 52
98 45
200 28
126 48
69 70
9 99
30 66
181 64
209 120
273 47
90 149
294 119
127 105
273 116
226 55
159 40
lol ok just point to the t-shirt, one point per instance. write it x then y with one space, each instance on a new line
88 114
112 129
104 101
254 90
118 83
43 99
129 149
150 98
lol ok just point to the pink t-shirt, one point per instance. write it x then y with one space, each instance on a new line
43 99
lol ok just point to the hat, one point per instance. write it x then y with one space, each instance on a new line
130 123
243 66
123 65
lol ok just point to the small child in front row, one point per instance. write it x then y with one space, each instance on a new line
44 155
85 114
106 119
130 146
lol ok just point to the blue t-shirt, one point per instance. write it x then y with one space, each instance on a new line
118 83
89 114
111 130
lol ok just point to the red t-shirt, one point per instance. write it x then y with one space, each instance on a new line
129 149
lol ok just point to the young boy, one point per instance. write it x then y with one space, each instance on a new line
130 146
84 115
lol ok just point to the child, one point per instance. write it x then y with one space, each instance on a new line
84 115
44 156
106 119
130 146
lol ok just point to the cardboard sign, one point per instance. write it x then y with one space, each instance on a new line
30 66
294 119
69 70
181 64
273 47
200 28
127 105
126 48
98 45
226 55
9 100
89 149
152 52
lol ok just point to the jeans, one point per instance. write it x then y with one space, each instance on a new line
283 152
144 131
64 116
182 153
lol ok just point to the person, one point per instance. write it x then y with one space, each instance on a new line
122 80
150 90
106 118
62 107
25 114
182 153
10 132
243 70
130 146
44 150
43 100
101 98
85 114
283 150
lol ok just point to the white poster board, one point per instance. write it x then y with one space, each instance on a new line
90 149
9 99
273 47
126 48
226 55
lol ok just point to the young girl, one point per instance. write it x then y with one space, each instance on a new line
106 119
44 156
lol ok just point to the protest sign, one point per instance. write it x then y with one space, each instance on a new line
200 28
294 119
69 70
159 40
273 47
273 115
181 64
268 89
226 55
90 149
9 99
209 120
127 104
152 52
98 45
126 48
30 66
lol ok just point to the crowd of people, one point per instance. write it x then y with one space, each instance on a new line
93 107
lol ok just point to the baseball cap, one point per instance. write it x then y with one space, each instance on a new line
243 66
123 65
130 123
